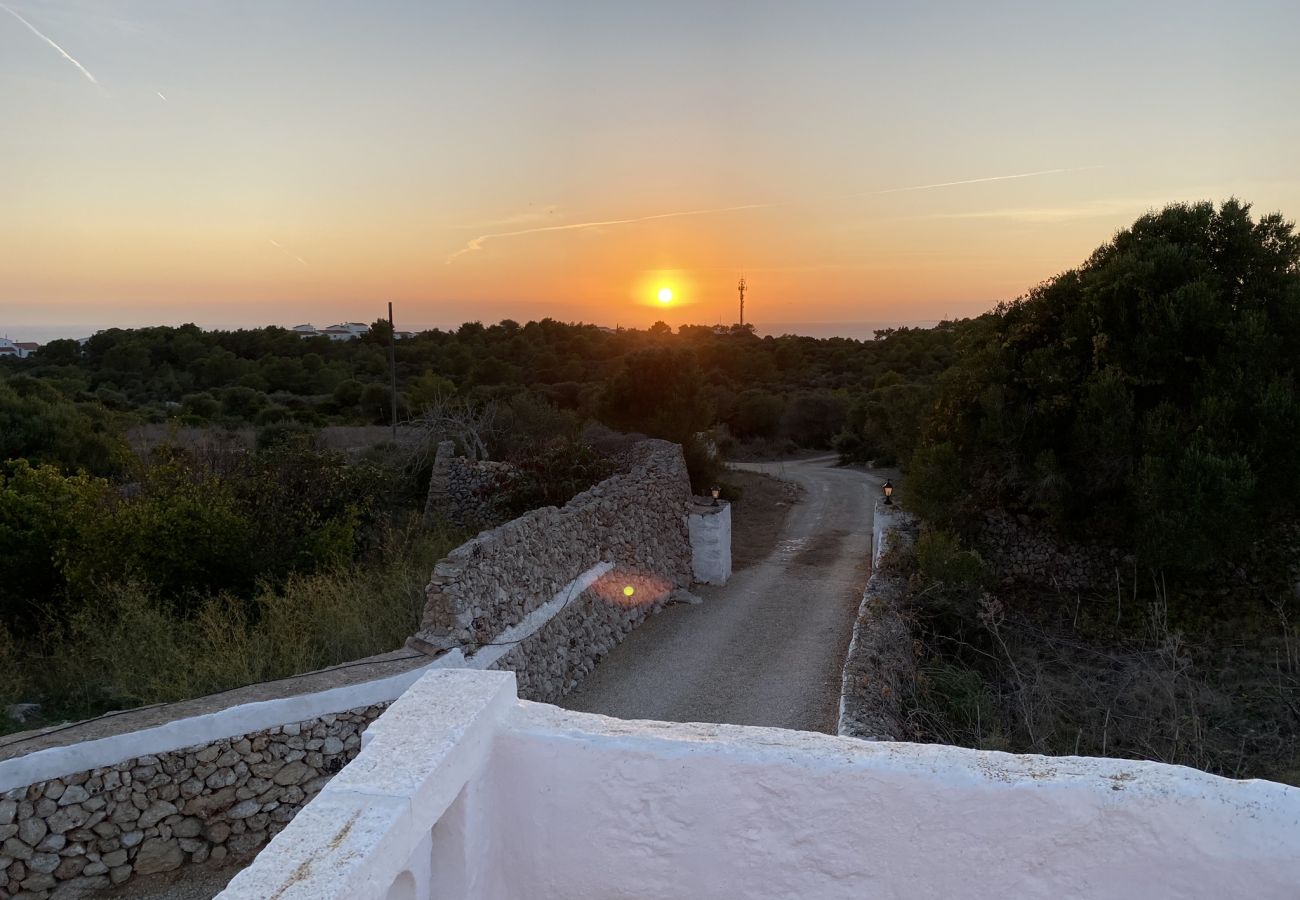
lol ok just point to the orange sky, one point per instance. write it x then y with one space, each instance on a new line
239 165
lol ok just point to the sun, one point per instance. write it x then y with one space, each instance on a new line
665 295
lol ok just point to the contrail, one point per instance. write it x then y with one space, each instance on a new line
943 184
160 94
478 242
64 53
277 244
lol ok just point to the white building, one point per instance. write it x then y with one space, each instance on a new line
10 349
344 331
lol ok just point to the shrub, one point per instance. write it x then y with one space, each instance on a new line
940 558
132 648
934 482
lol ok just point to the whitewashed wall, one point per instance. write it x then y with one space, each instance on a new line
710 533
467 792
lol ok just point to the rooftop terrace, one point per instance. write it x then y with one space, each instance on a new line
464 791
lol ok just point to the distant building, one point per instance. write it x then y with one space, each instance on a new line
10 349
344 331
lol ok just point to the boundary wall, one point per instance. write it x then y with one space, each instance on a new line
879 660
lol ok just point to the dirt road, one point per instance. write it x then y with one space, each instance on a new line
767 648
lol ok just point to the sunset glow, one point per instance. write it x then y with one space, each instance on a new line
480 162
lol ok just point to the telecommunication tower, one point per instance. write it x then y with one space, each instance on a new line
741 287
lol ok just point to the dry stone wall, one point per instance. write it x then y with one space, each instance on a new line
634 520
471 487
1021 551
97 828
461 490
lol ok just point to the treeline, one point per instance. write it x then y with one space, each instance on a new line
769 388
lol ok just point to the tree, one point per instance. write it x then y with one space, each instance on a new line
757 413
1128 395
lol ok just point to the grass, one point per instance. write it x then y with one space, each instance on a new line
130 650
1045 673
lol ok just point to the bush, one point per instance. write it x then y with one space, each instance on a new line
13 685
131 647
940 558
934 482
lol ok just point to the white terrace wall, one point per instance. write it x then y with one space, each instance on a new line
465 792
548 594
91 815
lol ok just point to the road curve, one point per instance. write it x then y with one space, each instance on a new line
766 649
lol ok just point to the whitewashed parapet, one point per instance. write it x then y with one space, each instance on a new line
466 792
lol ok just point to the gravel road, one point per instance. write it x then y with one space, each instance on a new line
766 649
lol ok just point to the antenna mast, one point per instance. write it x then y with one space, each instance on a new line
741 287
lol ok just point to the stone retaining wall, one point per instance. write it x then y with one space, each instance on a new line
155 813
880 662
1019 550
634 521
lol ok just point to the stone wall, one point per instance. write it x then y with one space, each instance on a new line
880 662
632 523
461 490
155 813
1020 550
471 487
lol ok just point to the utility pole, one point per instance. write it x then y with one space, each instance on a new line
741 288
392 366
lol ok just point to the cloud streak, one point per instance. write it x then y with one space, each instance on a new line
286 250
944 184
477 243
64 53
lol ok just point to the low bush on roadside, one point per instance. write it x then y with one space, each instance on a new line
133 648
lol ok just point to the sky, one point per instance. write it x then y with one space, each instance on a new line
237 164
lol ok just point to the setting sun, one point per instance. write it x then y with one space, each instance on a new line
665 295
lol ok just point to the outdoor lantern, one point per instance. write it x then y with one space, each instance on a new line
888 488
716 492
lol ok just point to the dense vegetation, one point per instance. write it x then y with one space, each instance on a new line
1146 400
1149 395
